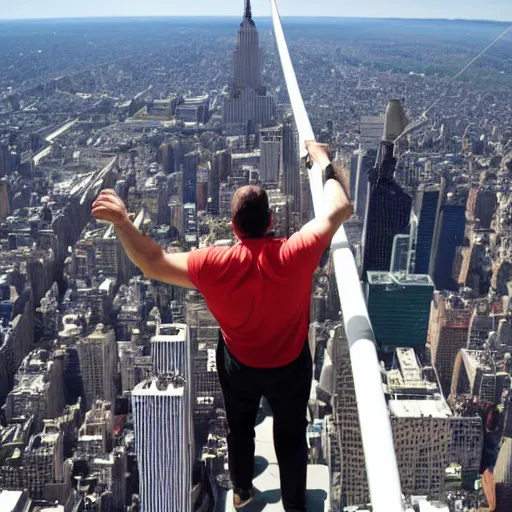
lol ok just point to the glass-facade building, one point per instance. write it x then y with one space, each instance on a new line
399 308
450 236
388 215
162 419
427 214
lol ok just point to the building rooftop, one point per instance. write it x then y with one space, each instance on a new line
170 333
419 408
160 387
397 278
9 499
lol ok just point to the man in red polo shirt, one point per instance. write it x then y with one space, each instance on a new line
259 291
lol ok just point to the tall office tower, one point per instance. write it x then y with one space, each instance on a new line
166 157
447 334
399 308
212 206
5 204
365 163
427 437
290 154
4 159
162 417
248 103
482 205
270 160
354 159
336 378
204 336
388 213
98 364
202 188
190 177
448 236
426 208
190 223
389 207
170 352
223 162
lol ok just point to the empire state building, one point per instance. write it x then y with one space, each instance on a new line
248 101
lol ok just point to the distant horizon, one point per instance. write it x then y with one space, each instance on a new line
194 16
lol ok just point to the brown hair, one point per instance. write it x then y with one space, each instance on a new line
250 211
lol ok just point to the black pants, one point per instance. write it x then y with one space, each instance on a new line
287 391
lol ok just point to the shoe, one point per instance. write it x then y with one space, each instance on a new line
241 498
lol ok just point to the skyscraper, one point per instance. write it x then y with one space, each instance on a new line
270 162
170 353
426 210
220 170
388 214
399 308
389 206
447 334
190 177
448 235
347 448
98 362
248 101
290 155
162 416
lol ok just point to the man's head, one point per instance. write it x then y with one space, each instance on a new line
250 212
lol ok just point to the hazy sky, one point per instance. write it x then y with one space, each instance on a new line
470 9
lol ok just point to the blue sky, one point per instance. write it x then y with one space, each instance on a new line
469 9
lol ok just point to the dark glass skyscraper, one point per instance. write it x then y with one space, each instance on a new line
449 236
190 177
399 308
388 212
427 202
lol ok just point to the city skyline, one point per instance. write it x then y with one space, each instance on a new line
112 383
496 10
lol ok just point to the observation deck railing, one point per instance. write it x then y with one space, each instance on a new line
380 457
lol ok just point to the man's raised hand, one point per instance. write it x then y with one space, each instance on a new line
110 207
319 153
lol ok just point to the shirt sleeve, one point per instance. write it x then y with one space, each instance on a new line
304 249
196 262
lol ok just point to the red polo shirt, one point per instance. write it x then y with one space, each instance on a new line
260 293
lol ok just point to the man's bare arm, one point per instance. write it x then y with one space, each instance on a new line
337 205
144 252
